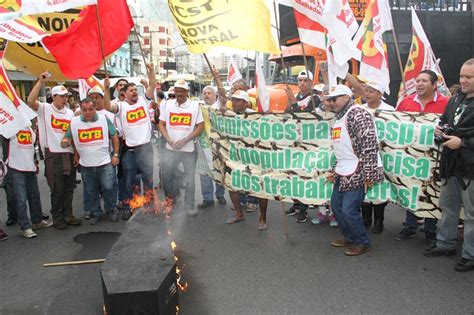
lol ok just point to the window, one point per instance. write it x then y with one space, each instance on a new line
146 41
162 53
162 29
162 41
146 29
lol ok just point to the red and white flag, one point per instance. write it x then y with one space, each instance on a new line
263 98
86 84
14 113
369 39
421 58
233 72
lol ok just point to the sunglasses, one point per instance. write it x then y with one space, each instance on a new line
171 96
332 98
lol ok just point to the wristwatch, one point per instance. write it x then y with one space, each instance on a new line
116 154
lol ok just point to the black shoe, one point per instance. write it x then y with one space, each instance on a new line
72 221
60 224
405 234
221 201
302 216
126 214
10 222
436 252
291 211
464 265
206 204
430 238
378 227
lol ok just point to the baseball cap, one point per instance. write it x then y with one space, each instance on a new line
305 74
95 89
319 87
59 90
339 90
181 84
375 85
242 95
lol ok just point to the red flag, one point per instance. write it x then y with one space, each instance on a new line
78 50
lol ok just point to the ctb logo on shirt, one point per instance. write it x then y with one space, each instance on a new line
91 134
135 115
183 119
24 137
60 124
336 133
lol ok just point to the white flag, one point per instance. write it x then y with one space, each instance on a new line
233 72
263 98
11 120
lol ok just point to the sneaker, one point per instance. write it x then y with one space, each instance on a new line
3 235
221 201
333 221
113 215
126 214
60 224
430 238
341 243
192 212
320 219
357 250
87 216
436 252
206 204
45 216
95 219
302 216
464 265
28 233
405 234
251 207
42 224
291 211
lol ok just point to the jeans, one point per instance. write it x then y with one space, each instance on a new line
451 199
97 179
170 161
345 206
410 222
138 160
25 186
207 188
11 207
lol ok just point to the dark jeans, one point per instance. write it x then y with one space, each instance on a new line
170 161
99 179
138 160
410 222
25 186
11 207
207 188
62 190
345 206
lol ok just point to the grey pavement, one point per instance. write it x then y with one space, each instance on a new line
236 269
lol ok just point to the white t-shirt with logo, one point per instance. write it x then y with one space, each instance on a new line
135 122
52 125
180 121
382 106
22 150
91 139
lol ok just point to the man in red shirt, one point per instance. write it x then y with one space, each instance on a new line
426 100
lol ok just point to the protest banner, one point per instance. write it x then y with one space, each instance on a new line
288 156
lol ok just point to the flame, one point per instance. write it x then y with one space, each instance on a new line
173 245
151 202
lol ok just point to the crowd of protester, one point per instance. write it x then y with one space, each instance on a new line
109 142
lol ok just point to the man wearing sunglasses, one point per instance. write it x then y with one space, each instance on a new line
358 166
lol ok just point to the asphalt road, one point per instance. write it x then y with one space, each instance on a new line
235 269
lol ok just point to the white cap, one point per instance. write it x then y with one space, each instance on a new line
59 90
242 95
305 74
339 90
375 85
181 84
319 87
95 89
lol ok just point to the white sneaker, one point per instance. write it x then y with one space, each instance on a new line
28 233
42 224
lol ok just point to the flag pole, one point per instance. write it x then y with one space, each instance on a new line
101 39
399 58
141 49
277 24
